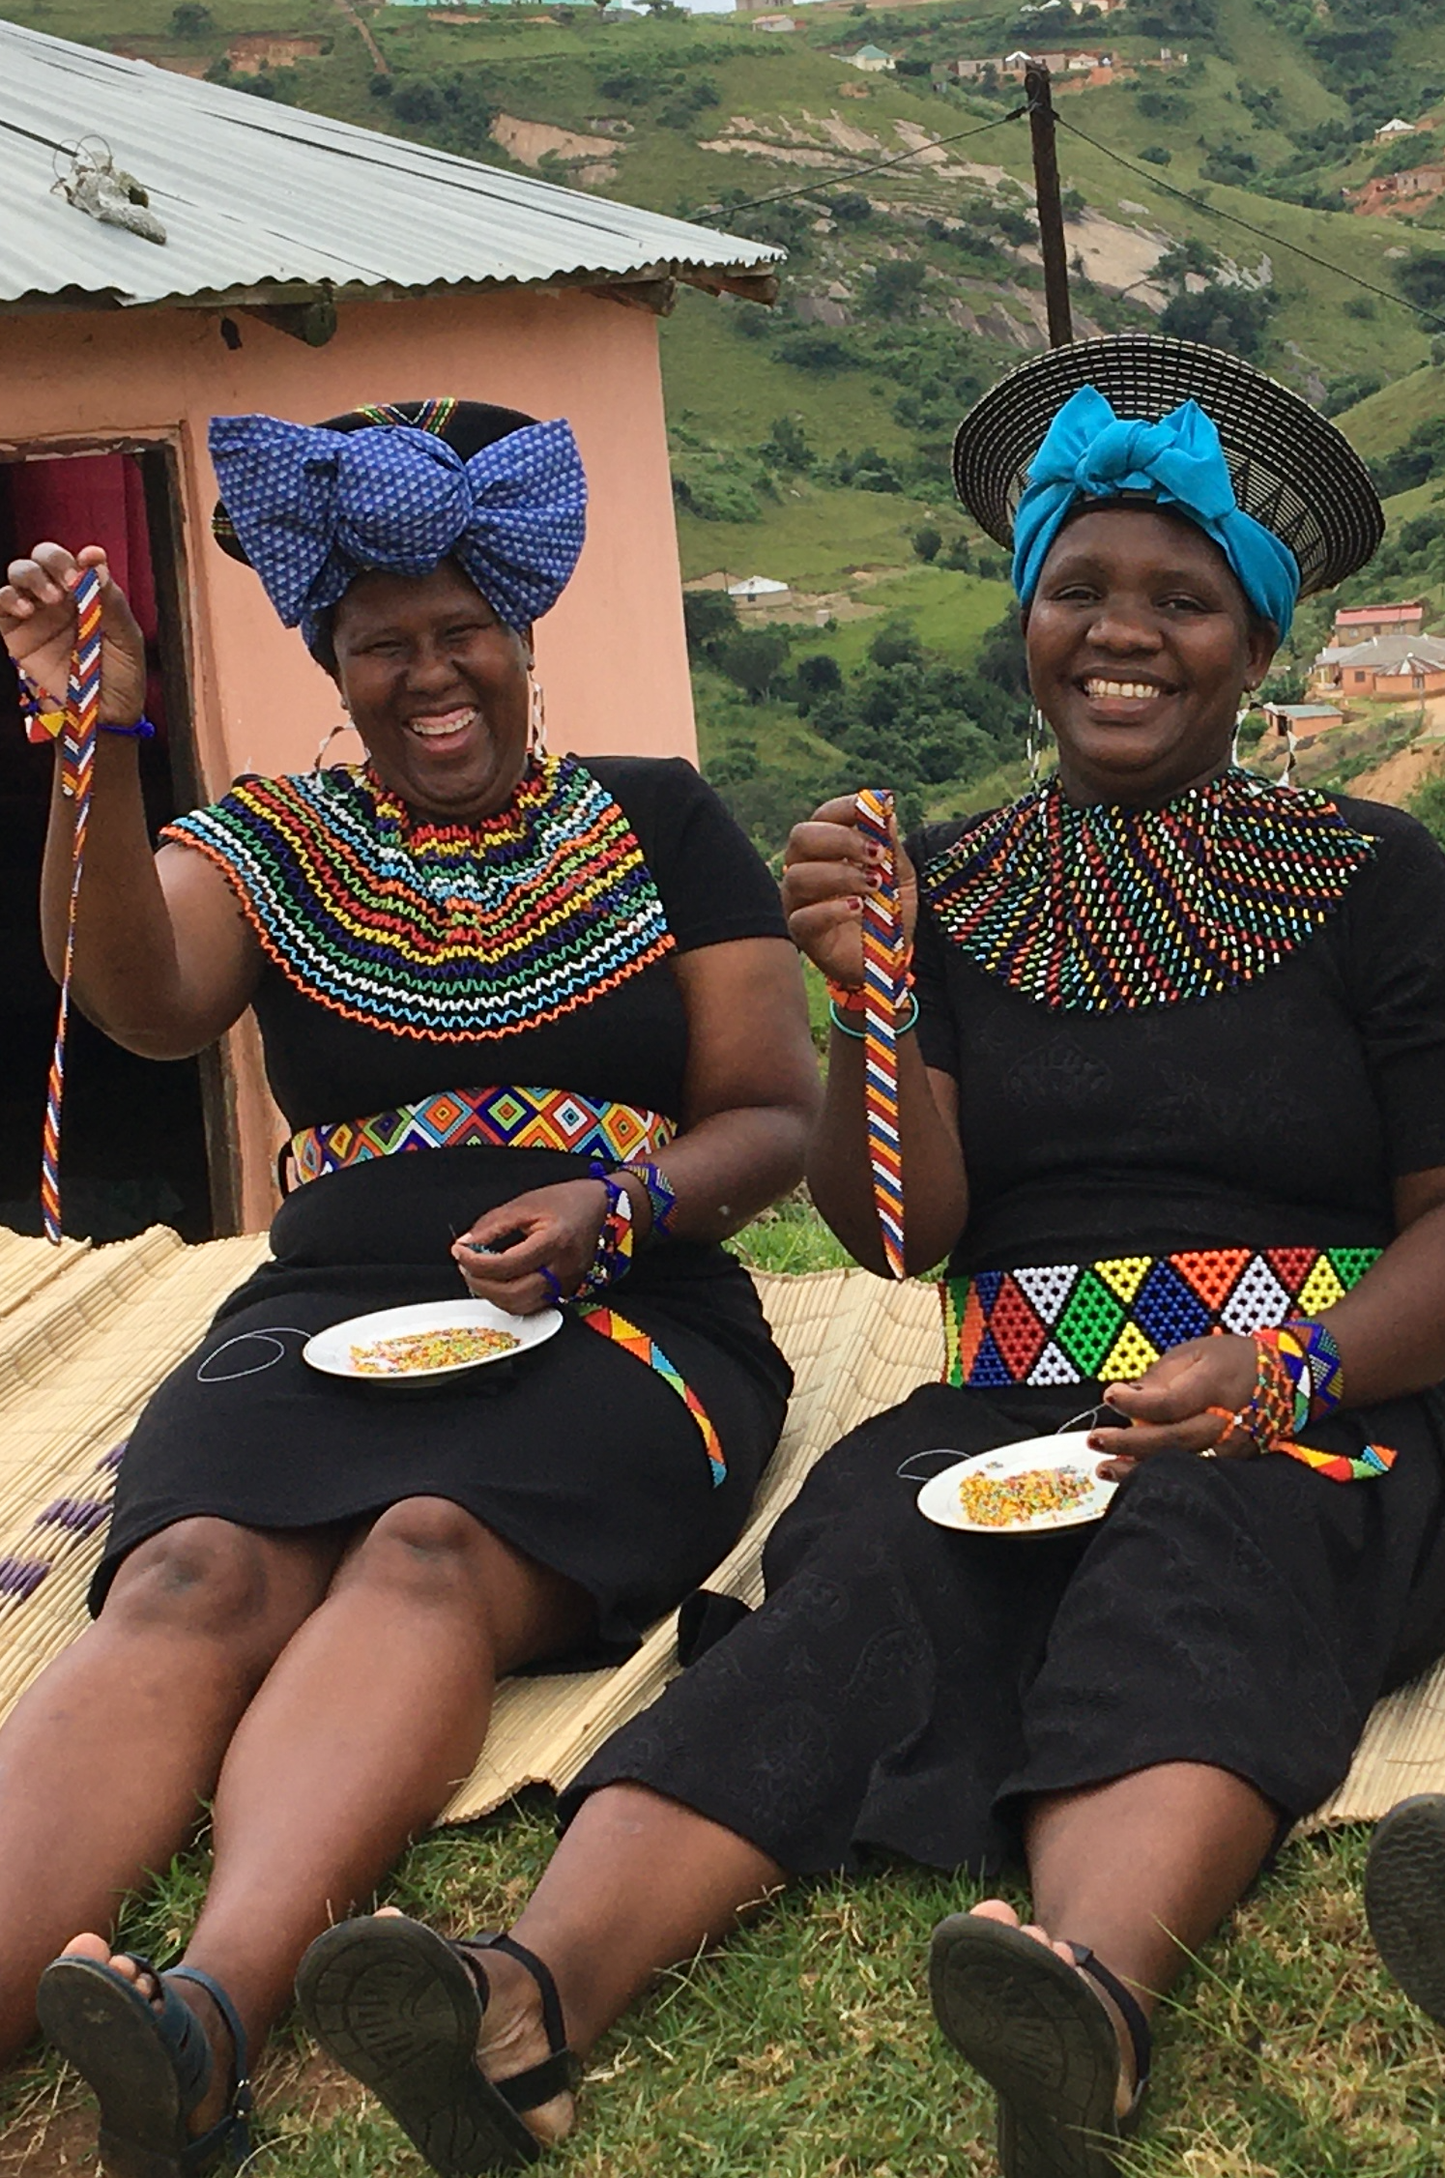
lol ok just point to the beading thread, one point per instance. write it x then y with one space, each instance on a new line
76 756
884 984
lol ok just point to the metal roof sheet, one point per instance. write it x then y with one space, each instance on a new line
254 194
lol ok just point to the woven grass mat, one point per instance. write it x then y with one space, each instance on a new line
87 1333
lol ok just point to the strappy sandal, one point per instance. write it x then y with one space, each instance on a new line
401 2009
147 2068
1043 2040
1405 1898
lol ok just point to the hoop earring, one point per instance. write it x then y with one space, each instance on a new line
1034 740
1239 718
537 719
342 726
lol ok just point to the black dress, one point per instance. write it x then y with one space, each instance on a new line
578 1453
904 1689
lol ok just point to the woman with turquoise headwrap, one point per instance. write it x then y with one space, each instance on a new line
1173 1110
538 1033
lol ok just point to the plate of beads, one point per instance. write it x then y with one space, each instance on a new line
1033 1488
406 1348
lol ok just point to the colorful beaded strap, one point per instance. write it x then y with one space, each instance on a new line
625 1334
504 1118
885 985
76 752
1109 1321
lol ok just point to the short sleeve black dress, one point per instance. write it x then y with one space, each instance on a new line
404 961
1220 1153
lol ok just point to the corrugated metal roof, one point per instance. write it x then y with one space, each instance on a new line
256 195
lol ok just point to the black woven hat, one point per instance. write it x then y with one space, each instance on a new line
467 426
1292 470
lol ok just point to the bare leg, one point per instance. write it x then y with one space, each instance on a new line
368 1721
142 1705
1143 1869
638 1883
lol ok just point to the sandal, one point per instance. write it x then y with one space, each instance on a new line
148 2069
1043 2041
1405 1898
401 2008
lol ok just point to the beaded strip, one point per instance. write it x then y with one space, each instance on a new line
638 1342
1310 1358
1100 908
1107 1322
884 987
76 754
502 1118
445 932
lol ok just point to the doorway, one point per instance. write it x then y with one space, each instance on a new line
144 1142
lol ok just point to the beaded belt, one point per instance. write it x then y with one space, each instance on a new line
549 1119
1107 1322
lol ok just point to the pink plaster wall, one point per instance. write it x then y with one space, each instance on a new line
612 656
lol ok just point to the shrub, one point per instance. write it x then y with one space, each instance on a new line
417 102
895 288
814 349
1428 804
895 644
753 658
1157 155
1232 318
927 543
710 617
191 20
1359 306
1421 279
1342 393
850 207
381 86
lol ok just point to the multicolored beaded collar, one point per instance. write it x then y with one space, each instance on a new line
1101 908
448 932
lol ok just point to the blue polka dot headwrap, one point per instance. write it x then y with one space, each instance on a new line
313 508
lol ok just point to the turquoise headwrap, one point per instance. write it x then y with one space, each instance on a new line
1091 453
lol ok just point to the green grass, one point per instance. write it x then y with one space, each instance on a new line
813 539
950 613
1383 422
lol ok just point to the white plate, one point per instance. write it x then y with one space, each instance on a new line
938 1500
330 1350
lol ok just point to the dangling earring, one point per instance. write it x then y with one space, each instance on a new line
1239 718
342 726
537 721
1035 738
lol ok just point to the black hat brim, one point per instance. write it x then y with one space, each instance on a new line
1292 469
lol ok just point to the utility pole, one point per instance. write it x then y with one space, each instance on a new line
1039 92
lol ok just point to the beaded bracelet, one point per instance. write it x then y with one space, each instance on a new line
45 720
1309 1355
613 1259
846 1028
853 998
660 1193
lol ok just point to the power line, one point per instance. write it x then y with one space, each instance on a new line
1262 234
813 189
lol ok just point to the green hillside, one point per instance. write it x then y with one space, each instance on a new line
810 442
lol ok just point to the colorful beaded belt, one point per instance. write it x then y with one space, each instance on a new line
1107 1322
547 1119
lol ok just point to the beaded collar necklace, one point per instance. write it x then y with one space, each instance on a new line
448 931
1102 908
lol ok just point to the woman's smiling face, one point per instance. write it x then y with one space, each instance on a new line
1140 645
437 689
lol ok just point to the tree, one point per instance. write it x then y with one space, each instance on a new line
818 675
849 207
1232 318
1421 279
710 617
191 20
895 644
927 542
417 102
896 287
786 446
753 658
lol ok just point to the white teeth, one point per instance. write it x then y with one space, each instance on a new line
1104 691
433 730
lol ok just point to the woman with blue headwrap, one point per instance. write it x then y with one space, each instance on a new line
1173 1111
536 1029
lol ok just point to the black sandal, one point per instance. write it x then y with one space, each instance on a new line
1043 2041
401 2009
147 2068
1405 1898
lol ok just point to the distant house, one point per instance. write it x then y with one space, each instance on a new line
872 60
1394 130
1360 623
774 22
1302 723
756 586
1383 192
1407 666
